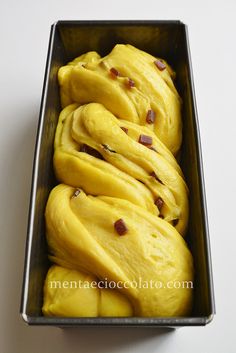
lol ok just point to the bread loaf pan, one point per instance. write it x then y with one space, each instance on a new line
68 39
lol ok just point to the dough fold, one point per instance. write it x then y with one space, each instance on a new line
71 293
119 166
88 79
81 235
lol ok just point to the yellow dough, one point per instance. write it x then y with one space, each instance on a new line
95 176
121 210
81 236
71 293
126 171
88 79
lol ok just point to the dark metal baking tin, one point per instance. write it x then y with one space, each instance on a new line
68 39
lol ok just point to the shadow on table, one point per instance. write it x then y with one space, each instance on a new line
15 184
116 339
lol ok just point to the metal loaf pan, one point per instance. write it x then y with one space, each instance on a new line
68 39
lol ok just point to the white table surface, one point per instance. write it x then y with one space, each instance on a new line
24 32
